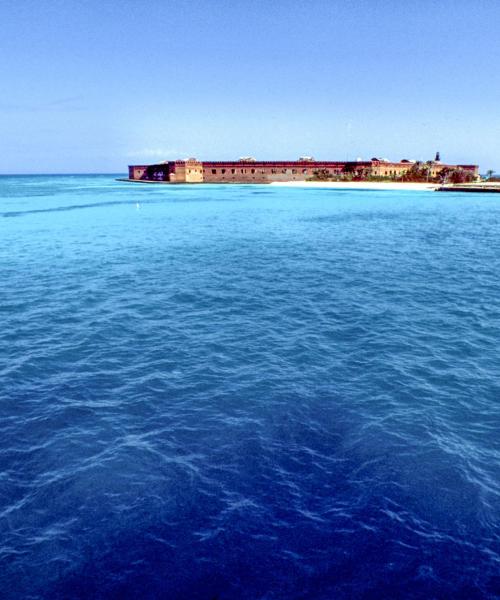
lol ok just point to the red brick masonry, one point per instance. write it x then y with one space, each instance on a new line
252 171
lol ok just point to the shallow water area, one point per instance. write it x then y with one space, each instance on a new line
247 392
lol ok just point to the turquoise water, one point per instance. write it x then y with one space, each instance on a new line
247 392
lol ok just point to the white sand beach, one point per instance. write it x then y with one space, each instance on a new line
361 185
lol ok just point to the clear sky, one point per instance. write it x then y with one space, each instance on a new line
93 85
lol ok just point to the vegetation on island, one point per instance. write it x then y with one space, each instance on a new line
492 177
418 172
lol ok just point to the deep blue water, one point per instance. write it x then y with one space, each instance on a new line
247 392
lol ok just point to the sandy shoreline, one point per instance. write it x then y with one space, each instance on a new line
360 185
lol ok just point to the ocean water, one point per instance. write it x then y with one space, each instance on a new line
247 392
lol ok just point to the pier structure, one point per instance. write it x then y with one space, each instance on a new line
487 187
249 170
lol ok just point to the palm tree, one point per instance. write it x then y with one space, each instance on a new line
428 167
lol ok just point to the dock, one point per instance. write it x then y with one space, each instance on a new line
484 187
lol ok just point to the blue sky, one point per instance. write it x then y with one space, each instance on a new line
93 85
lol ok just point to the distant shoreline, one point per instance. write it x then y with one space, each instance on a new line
354 185
361 185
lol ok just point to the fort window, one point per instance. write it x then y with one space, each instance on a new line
273 171
294 171
214 171
283 171
233 171
223 171
304 171
253 170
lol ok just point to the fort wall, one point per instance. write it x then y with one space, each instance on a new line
269 171
186 171
137 171
251 171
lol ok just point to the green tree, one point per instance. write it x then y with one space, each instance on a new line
417 172
460 176
321 175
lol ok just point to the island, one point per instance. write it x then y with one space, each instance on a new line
306 168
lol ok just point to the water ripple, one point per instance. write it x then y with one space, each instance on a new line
247 392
